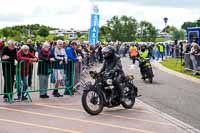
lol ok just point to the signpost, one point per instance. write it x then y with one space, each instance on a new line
94 29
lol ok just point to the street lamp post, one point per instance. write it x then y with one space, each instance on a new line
165 20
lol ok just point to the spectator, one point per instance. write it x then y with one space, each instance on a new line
85 54
88 51
161 50
100 54
43 69
71 52
133 53
186 47
58 68
24 55
76 55
195 50
9 55
32 51
93 54
1 46
122 49
156 52
151 53
38 44
176 49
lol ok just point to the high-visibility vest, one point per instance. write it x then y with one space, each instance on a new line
133 51
161 47
144 54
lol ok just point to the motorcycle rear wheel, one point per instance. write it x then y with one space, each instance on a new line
95 100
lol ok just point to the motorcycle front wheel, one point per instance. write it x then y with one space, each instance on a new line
92 102
150 75
129 96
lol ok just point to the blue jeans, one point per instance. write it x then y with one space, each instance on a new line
162 54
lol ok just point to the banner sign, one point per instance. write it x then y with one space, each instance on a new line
94 29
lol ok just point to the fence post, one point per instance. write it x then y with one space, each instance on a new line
8 75
70 76
18 78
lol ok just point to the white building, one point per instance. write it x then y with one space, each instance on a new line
164 35
72 33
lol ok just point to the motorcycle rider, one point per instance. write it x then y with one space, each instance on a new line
143 54
112 64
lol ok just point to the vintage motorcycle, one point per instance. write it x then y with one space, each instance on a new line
103 93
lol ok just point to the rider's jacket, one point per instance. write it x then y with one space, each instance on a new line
113 64
144 54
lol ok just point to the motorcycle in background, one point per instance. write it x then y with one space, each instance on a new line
146 69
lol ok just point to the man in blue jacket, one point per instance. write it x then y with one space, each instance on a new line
71 51
72 54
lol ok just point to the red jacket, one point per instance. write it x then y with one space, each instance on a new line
24 67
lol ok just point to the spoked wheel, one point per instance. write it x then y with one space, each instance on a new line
129 96
92 102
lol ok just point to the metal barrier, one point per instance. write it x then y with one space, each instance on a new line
188 62
192 62
7 76
44 75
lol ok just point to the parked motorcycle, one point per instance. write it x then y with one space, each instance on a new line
146 69
103 93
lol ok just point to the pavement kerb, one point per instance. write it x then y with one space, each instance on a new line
178 74
186 127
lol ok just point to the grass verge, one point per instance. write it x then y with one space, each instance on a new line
175 64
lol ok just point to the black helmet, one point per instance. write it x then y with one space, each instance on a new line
143 47
108 52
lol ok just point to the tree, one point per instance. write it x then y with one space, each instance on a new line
198 23
178 35
147 32
188 25
169 29
78 34
43 31
21 32
122 29
182 35
5 32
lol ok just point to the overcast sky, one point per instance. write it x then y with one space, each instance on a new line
76 13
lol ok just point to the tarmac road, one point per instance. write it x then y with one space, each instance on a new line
170 94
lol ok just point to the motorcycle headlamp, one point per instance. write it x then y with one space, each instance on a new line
109 81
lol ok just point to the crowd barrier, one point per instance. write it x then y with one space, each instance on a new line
192 62
27 77
7 75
